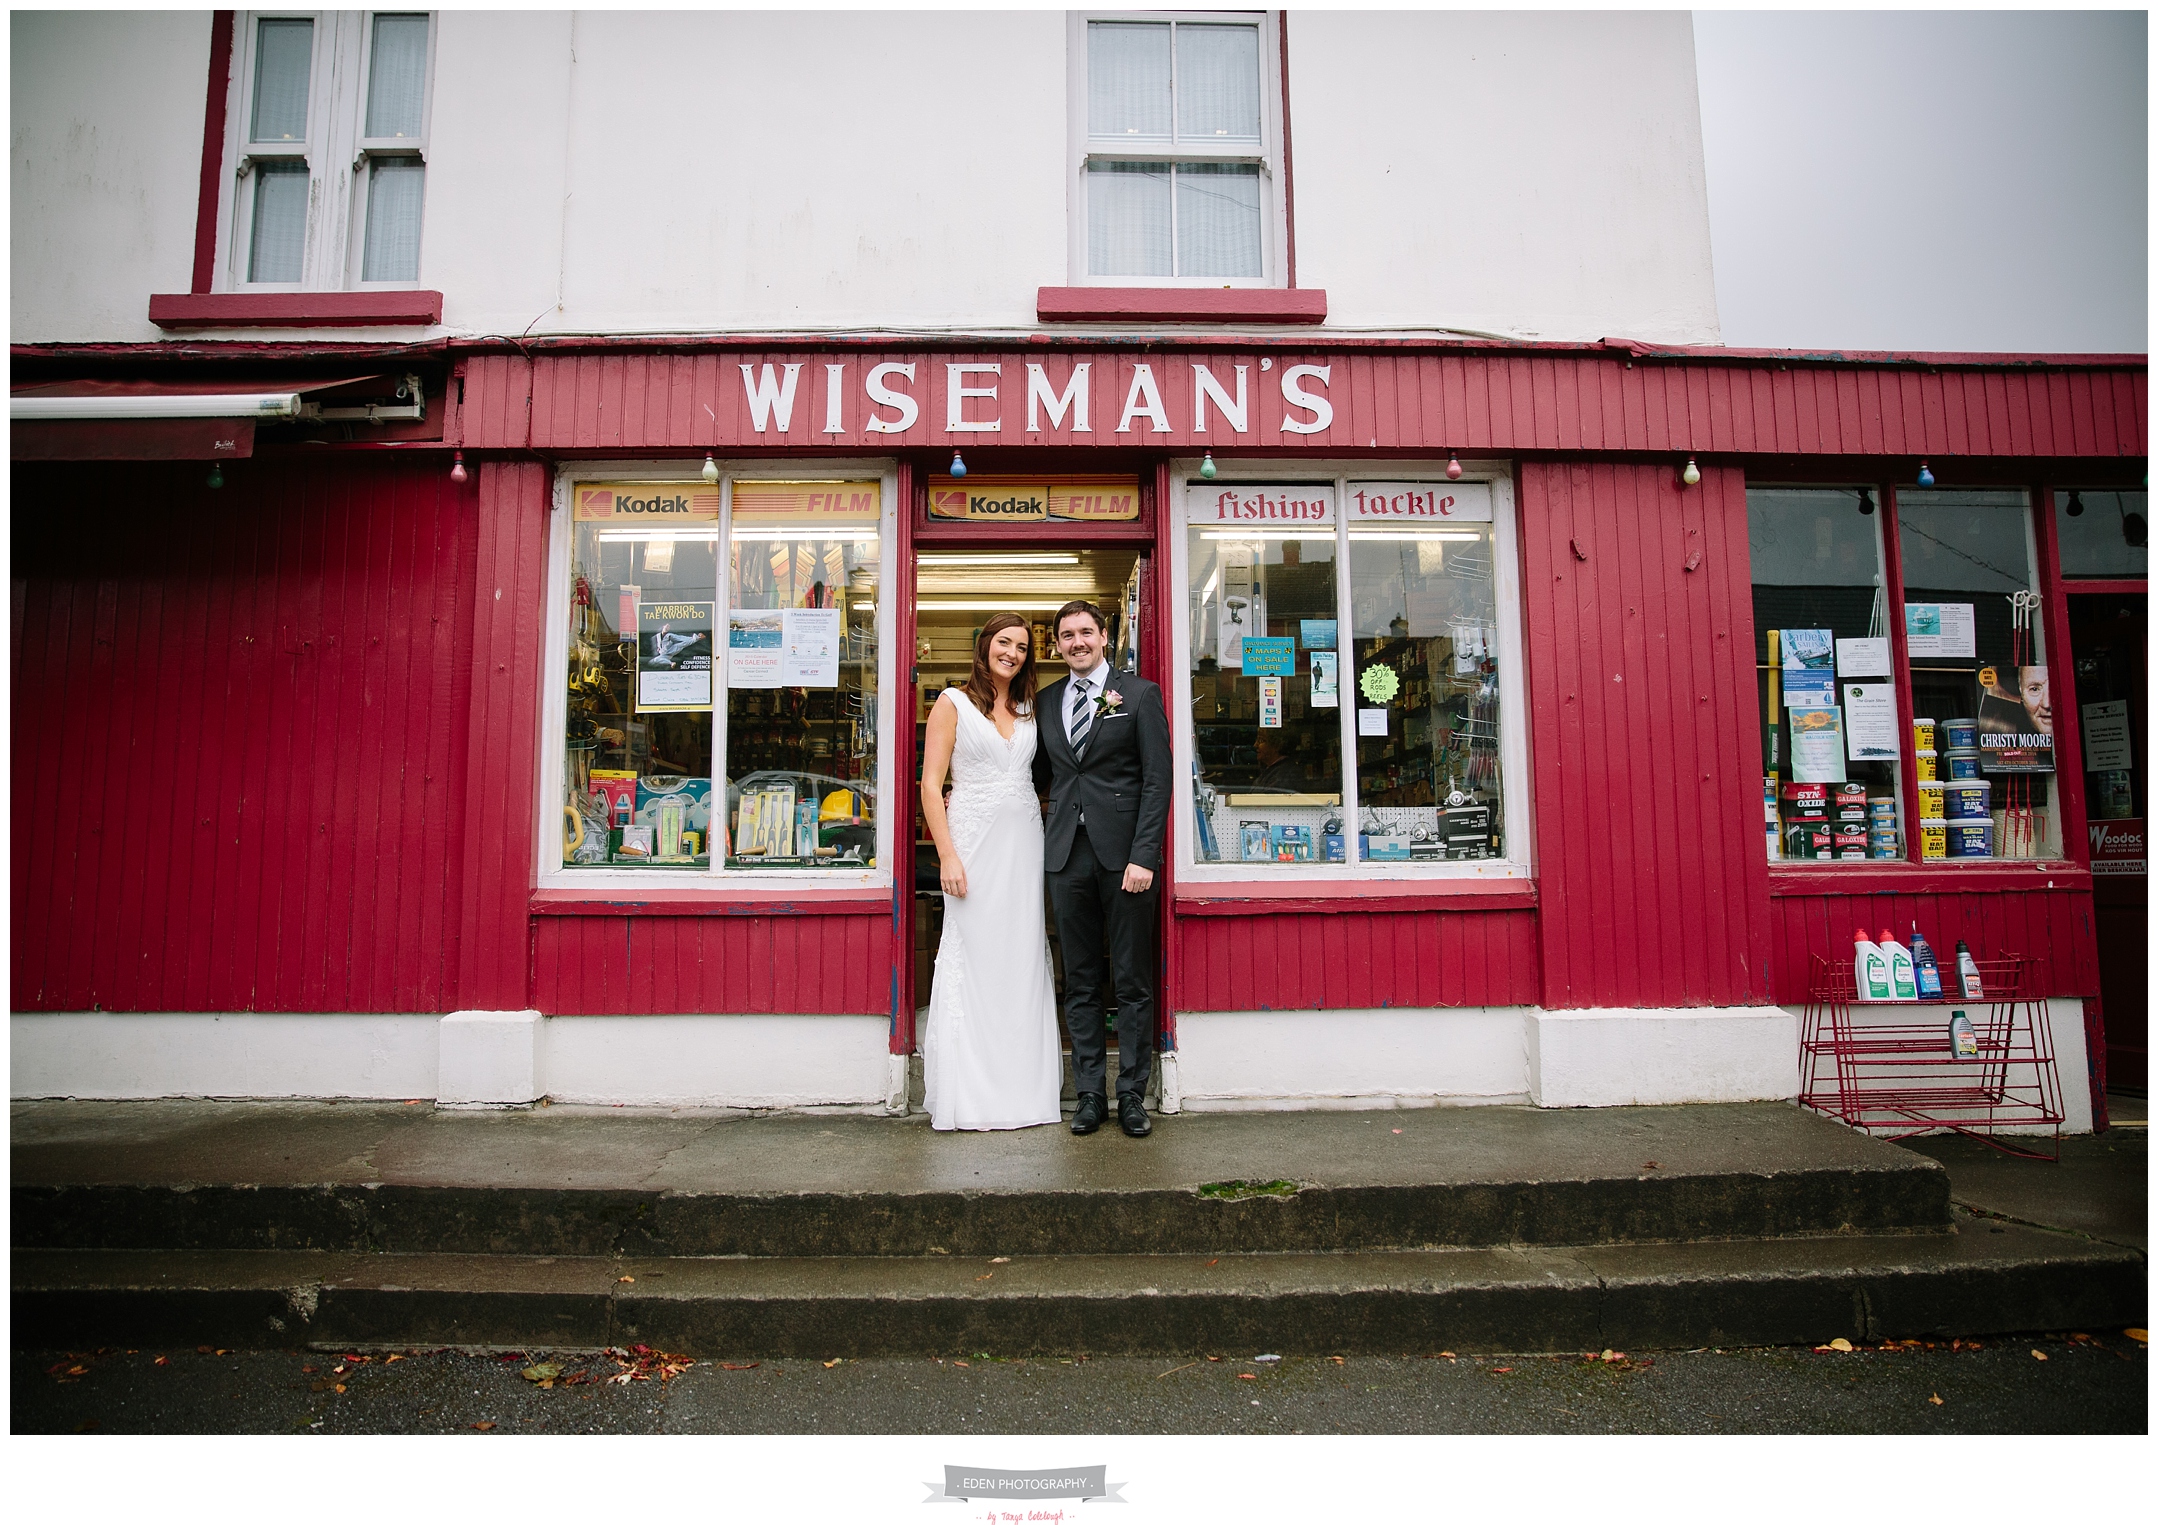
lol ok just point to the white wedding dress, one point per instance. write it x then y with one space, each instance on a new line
990 1056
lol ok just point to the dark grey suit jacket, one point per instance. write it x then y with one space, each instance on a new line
1121 787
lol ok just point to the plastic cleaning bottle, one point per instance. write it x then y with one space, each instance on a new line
1902 977
1868 969
1967 973
1928 967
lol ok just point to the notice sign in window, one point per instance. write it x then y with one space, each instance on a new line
674 656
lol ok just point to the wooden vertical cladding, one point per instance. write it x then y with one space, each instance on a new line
239 736
1353 962
502 733
2057 926
616 965
1494 399
1643 737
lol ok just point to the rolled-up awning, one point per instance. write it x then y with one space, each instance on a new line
189 420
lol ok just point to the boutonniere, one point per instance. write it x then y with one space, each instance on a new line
1108 704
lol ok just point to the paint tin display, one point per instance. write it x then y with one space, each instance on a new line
1962 735
1922 734
1968 801
1930 807
1933 839
1970 839
1928 765
1962 765
1881 810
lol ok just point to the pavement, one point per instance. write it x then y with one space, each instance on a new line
2090 1383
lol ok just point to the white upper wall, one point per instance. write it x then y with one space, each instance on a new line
604 172
105 149
1533 175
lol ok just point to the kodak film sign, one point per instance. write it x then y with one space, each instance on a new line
646 502
1020 500
827 502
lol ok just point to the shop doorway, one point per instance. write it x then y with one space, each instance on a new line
955 592
2109 635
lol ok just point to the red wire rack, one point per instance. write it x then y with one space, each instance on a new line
1890 1067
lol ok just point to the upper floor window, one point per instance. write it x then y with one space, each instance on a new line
1180 137
327 141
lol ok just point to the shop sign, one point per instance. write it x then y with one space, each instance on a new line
645 502
1257 506
823 502
1419 503
1020 499
2116 847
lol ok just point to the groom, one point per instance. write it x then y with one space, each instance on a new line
1103 757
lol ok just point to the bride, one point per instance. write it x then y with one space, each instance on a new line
990 1055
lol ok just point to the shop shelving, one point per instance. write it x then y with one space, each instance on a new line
1888 1067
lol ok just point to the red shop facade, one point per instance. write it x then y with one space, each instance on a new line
1481 743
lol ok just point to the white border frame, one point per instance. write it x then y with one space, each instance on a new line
1516 787
791 884
1273 214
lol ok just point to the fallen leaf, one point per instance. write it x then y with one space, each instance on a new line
959 1363
1247 1376
1397 1130
386 1360
166 1361
985 1276
832 1363
340 1387
1652 1165
2038 1355
1446 1355
625 1278
1839 1343
1001 1260
484 1424
1212 1263
2140 1336
1935 1400
1337 1360
1213 1358
224 1352
544 1372
1498 1370
202 1350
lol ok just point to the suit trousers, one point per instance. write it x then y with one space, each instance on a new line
1104 929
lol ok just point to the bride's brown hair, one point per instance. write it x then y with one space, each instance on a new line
982 689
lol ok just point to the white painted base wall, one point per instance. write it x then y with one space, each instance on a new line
1225 1061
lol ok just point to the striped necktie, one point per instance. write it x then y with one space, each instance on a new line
1082 717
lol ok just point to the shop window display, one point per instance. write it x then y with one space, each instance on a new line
2103 534
637 745
1352 619
802 676
1978 673
1831 734
656 646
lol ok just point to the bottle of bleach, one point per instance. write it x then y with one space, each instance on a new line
1869 968
1902 976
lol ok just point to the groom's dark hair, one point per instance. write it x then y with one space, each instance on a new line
1080 606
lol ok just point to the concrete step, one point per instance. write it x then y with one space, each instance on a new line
558 1182
1978 1277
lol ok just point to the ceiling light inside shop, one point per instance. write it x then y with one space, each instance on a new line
658 532
1415 535
991 605
829 532
1000 559
1309 532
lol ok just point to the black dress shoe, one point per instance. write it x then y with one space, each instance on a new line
1093 1109
1131 1116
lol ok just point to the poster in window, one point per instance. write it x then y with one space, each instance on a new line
755 647
1941 630
809 648
1325 680
1268 655
1869 711
2015 719
1817 746
674 656
2105 736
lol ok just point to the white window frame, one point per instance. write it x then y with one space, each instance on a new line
550 872
1273 212
1516 789
337 153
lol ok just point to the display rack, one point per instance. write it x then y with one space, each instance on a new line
1889 1067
